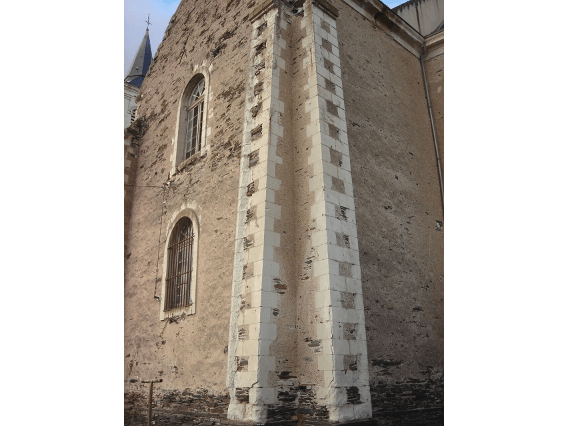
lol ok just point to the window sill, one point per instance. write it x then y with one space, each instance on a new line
178 312
190 160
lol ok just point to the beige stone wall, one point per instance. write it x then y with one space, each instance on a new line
397 199
319 266
192 351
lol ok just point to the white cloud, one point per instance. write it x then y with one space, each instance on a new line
135 14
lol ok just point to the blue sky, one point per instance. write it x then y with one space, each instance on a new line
136 13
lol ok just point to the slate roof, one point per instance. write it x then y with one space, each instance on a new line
141 62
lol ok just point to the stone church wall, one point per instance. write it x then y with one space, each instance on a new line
399 215
435 74
386 173
214 36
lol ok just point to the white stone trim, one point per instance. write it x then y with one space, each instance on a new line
434 45
335 265
259 256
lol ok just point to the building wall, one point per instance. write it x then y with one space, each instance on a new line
423 15
300 350
130 93
399 215
209 35
434 65
298 309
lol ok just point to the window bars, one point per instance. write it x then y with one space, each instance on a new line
195 120
180 257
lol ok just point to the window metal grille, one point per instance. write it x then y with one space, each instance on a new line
180 257
133 115
195 120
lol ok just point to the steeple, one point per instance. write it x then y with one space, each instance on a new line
141 62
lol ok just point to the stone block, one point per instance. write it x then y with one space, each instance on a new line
335 299
362 411
332 39
245 379
262 395
333 31
357 347
268 331
251 316
330 169
264 347
325 362
326 313
337 283
356 316
311 104
253 254
271 210
336 80
365 394
335 346
335 252
322 299
317 210
347 227
340 314
312 129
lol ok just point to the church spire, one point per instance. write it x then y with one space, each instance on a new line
141 61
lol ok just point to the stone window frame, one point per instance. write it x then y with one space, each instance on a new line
178 161
188 212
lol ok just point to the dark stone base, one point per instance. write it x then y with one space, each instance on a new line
395 403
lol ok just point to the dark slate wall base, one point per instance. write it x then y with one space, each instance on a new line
296 404
190 407
408 402
397 396
420 417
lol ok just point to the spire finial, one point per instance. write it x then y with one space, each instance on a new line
148 22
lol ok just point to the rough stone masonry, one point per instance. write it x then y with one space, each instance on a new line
317 291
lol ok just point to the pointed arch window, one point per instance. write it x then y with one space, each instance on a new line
180 265
195 120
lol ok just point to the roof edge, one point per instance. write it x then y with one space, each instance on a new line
407 3
378 12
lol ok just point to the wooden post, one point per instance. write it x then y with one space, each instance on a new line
150 403
150 398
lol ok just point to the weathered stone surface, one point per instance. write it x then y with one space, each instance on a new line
382 226
209 183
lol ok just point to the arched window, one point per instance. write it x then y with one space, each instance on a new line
191 128
194 120
179 265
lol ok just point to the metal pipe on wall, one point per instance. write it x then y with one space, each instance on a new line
432 124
